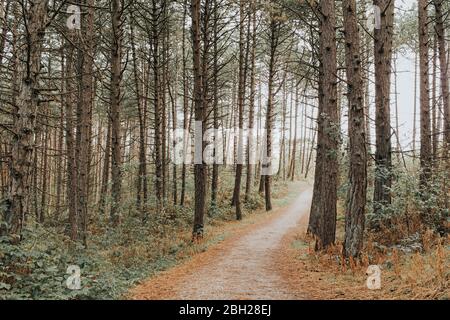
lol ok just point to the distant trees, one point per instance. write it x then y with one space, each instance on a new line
109 96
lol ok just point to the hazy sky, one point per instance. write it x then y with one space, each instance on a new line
405 88
405 92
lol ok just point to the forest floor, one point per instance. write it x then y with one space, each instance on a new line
243 266
423 274
270 257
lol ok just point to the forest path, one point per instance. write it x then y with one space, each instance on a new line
242 267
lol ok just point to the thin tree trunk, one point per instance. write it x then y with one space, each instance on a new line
241 100
294 142
425 129
115 97
251 115
434 106
215 106
142 190
444 64
415 109
156 102
60 133
71 189
185 107
267 161
397 126
106 168
44 175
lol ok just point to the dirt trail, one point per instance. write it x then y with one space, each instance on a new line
242 267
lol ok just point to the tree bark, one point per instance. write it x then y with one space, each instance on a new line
157 104
275 25
200 118
24 118
444 73
215 106
425 125
356 201
251 115
323 209
142 190
241 100
185 106
115 97
383 60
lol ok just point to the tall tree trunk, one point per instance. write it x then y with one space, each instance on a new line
185 106
275 25
164 63
323 209
200 125
251 115
71 189
215 106
365 53
241 100
24 118
106 167
157 104
45 176
174 98
116 77
383 60
281 165
305 126
415 109
356 201
425 125
294 142
142 192
60 135
398 148
444 73
84 108
434 105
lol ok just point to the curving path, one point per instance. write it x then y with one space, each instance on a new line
242 268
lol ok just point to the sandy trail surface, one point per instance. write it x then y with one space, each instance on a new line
241 267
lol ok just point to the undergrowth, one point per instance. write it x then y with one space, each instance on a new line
410 243
115 258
